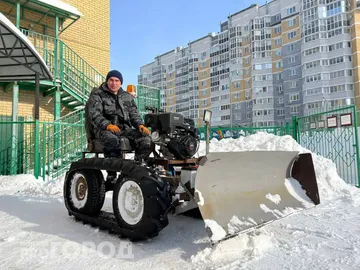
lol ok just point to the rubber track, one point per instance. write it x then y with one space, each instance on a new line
106 220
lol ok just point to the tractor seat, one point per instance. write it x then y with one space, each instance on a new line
97 145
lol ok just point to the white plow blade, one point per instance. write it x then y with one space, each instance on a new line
241 190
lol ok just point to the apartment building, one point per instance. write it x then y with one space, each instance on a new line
266 64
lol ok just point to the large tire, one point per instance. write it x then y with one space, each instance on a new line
140 207
84 191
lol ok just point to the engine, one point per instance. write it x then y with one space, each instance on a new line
176 135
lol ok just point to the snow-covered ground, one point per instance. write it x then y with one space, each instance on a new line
37 233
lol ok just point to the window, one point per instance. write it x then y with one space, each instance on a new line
291 47
291 34
278 41
294 97
291 22
277 29
279 89
292 72
225 117
293 84
294 109
280 112
290 11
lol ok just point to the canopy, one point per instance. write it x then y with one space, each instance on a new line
19 60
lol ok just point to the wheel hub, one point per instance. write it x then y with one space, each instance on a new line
81 188
132 199
131 202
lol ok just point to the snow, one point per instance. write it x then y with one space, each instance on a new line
15 30
62 5
217 232
199 197
294 188
36 232
274 198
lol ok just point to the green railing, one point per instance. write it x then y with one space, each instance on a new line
77 76
334 135
16 147
59 144
45 46
71 138
147 96
74 117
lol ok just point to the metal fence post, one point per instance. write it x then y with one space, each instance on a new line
36 150
287 129
357 145
295 124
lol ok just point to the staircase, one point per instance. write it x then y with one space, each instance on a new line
64 140
75 77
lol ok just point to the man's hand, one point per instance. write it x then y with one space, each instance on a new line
113 128
144 130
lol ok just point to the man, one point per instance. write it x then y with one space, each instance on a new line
111 112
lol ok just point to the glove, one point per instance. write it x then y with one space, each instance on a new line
113 128
144 130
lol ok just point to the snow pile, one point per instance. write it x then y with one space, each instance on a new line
62 5
241 249
330 185
30 186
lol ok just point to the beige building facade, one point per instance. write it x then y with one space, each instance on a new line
74 42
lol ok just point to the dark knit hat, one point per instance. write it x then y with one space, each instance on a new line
114 73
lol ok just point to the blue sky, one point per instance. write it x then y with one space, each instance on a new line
141 29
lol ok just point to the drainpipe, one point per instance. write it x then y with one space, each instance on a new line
18 14
14 128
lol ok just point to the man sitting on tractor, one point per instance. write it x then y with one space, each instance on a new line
110 113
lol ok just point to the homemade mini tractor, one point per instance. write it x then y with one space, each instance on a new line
233 191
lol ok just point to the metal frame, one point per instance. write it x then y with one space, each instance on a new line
34 69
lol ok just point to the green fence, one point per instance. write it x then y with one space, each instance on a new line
334 135
147 96
16 147
59 144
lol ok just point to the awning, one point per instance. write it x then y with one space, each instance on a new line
59 6
19 60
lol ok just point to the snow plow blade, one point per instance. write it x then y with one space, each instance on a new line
238 191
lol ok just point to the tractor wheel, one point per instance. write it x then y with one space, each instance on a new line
140 207
84 191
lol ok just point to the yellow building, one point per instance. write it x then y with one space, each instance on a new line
74 41
73 38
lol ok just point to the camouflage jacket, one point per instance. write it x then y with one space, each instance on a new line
104 108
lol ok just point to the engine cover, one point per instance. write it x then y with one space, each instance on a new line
183 147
